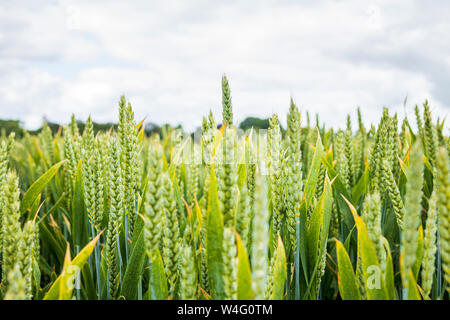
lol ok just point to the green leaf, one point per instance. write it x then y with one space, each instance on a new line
58 202
158 281
63 285
104 274
135 268
36 206
389 272
340 190
349 239
348 285
244 274
242 175
36 279
84 254
413 292
302 240
37 187
317 232
88 283
279 272
361 187
214 241
47 237
313 235
138 227
419 253
326 213
373 277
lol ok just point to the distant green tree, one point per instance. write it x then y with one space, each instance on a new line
8 126
256 123
252 122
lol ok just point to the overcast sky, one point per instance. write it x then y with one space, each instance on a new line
167 57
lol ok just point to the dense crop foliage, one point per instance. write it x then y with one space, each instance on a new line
306 213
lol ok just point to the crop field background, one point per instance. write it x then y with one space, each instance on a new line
229 153
304 213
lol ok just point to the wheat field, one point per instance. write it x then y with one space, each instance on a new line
304 213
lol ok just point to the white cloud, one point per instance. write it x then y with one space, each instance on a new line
63 57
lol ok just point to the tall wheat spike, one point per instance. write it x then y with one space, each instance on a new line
413 208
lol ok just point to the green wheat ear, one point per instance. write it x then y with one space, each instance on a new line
381 151
275 175
413 208
93 180
74 126
17 285
11 223
188 274
429 244
230 264
260 239
361 126
372 218
349 152
293 179
342 162
130 160
359 143
394 145
227 175
204 281
47 143
115 215
153 214
171 230
403 137
88 138
393 192
243 214
4 155
419 122
227 112
430 134
192 171
207 158
269 287
70 166
26 253
443 207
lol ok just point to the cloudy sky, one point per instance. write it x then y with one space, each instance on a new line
167 57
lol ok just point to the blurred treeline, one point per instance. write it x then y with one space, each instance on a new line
8 126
